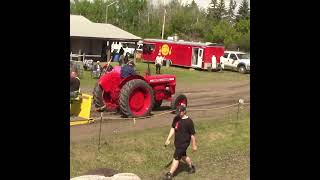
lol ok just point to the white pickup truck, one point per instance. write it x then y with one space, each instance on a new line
236 60
127 47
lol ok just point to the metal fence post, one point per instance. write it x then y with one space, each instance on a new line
241 101
100 129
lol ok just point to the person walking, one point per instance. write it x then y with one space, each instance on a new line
183 130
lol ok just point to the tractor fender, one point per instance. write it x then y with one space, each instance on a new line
125 80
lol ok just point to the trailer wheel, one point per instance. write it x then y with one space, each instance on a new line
136 98
177 100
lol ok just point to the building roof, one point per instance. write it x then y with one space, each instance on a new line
82 27
183 42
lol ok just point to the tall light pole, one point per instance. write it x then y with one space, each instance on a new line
164 19
107 10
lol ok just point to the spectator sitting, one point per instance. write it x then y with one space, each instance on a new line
97 69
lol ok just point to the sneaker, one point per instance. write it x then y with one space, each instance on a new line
192 169
168 176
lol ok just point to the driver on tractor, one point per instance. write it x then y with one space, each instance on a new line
128 70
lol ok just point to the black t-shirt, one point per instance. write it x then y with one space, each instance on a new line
184 128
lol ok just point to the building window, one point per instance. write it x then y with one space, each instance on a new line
148 48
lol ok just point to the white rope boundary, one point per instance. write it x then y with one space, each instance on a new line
170 111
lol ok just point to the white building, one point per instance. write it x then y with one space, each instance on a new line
91 38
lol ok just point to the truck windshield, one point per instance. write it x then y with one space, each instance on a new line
129 45
243 56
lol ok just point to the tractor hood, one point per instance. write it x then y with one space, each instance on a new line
165 78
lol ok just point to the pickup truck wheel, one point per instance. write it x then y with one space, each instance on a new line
242 69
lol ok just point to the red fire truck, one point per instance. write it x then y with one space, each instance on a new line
183 53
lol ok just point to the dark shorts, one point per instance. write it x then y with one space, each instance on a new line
179 152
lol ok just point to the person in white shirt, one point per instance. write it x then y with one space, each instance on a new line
158 63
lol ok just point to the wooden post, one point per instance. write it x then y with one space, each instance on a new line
100 129
108 50
79 55
164 21
135 52
241 101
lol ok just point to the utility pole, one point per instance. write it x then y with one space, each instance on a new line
107 11
164 19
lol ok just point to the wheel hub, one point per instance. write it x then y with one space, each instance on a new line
137 100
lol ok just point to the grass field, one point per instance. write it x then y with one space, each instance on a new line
183 75
223 151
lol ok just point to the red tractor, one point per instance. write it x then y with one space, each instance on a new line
136 95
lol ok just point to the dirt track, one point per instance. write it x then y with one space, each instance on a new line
203 97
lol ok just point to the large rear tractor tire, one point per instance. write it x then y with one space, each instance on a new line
97 96
136 98
177 100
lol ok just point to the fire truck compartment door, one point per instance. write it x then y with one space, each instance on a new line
197 54
200 57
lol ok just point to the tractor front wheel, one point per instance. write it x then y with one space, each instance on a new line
177 100
136 98
97 96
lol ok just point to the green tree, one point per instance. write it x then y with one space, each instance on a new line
223 32
213 12
230 12
243 12
144 19
243 29
221 10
